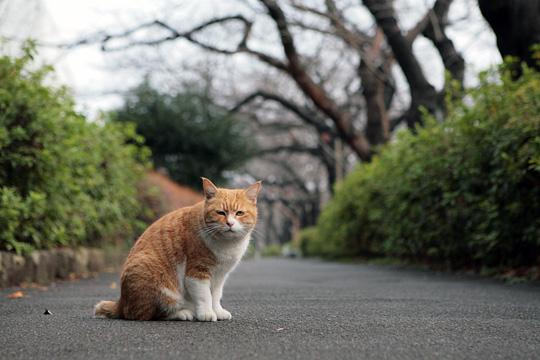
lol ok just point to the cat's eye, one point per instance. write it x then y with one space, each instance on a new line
221 212
239 213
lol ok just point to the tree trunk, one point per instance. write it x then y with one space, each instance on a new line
516 24
423 94
373 90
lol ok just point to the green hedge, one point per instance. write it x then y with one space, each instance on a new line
271 250
63 180
463 193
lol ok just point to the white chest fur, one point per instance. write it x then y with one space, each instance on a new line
227 254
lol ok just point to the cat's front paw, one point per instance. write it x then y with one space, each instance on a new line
223 314
183 315
206 315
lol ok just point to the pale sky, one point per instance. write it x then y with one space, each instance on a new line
94 77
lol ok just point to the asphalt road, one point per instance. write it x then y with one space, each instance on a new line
291 309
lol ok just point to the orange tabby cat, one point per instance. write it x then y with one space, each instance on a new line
177 268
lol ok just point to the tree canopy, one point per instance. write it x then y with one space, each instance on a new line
189 135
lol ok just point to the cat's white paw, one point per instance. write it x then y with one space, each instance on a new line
223 314
206 315
184 315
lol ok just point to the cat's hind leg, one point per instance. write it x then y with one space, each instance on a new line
175 306
186 313
138 297
171 302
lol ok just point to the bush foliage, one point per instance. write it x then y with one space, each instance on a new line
189 135
463 193
63 180
272 250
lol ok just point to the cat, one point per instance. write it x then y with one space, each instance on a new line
177 268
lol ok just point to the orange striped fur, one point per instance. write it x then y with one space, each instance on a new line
177 268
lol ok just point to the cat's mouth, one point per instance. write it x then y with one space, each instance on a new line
230 232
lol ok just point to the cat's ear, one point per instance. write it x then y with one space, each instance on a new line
209 188
252 191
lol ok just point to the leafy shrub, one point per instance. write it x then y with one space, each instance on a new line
463 193
63 180
306 241
310 244
271 250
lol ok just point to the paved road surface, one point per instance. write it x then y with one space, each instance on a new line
287 309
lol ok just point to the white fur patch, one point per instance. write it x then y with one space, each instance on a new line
98 306
171 294
237 226
199 291
177 296
181 274
183 315
222 314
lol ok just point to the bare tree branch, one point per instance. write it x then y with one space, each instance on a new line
333 15
293 66
316 93
370 48
432 26
296 179
384 15
280 127
435 31
105 39
305 114
292 148
354 38
422 92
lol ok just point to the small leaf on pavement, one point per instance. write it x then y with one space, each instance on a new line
16 295
47 312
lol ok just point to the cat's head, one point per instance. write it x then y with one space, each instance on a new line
230 213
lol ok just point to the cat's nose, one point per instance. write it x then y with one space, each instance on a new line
230 224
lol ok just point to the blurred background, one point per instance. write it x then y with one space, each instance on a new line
380 129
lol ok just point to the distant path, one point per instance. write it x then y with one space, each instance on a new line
286 309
